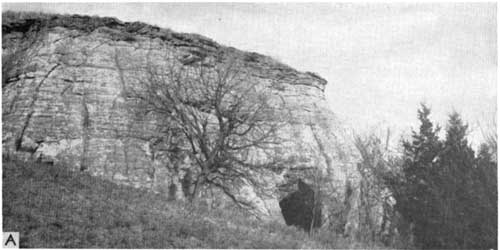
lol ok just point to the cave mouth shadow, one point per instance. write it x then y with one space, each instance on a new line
298 208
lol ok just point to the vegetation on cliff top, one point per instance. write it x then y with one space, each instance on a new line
22 22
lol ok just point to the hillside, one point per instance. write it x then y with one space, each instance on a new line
53 207
68 99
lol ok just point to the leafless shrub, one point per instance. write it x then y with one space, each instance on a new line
377 217
489 133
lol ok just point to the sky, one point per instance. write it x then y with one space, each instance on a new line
380 60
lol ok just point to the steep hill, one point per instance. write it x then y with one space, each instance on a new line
52 206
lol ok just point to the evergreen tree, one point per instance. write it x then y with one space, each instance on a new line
417 199
483 217
445 192
455 189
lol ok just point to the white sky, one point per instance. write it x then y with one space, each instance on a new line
381 60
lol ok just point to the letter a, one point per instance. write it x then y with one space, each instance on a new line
10 239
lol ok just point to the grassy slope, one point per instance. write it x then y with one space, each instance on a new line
53 207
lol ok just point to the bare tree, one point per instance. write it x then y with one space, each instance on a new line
228 121
377 163
489 133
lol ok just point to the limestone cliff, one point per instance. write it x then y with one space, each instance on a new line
66 103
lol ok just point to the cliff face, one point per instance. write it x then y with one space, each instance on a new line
67 104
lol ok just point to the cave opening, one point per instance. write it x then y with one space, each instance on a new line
300 208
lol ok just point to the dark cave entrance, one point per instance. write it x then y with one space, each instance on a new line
298 208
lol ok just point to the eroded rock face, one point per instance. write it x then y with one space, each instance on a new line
69 106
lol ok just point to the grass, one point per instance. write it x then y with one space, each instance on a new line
53 207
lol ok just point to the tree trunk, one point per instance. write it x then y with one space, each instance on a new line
196 189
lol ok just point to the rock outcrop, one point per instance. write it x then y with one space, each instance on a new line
67 104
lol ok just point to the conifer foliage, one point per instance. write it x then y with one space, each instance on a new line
447 193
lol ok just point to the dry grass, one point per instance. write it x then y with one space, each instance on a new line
53 207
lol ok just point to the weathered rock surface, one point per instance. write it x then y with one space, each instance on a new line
69 106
